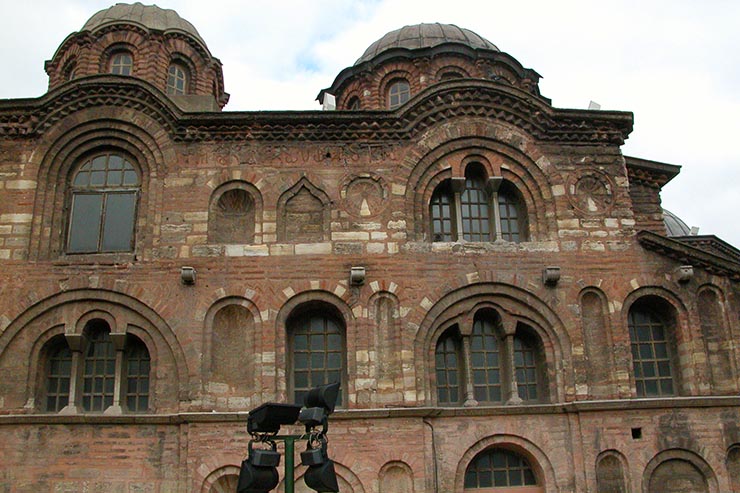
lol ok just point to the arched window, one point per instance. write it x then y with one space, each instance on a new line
450 75
68 72
316 341
399 93
99 370
121 63
177 79
138 366
473 203
108 374
58 374
485 361
103 205
526 366
476 368
354 103
447 357
652 350
498 468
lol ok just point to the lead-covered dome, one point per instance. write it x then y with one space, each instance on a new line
150 17
145 42
420 36
407 61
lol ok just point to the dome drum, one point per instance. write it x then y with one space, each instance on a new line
428 54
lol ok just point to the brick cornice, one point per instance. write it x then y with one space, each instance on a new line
467 98
617 405
680 251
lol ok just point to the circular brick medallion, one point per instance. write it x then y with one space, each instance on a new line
591 193
365 196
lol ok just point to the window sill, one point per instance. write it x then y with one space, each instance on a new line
95 258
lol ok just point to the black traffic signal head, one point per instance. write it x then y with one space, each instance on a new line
324 396
268 417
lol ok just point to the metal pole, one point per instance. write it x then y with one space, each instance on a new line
289 464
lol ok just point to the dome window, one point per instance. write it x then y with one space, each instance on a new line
398 93
177 80
121 63
353 104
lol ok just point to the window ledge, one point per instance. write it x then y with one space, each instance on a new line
95 259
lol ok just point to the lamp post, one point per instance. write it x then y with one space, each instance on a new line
258 472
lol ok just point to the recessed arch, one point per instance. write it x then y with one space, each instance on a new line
513 304
679 465
60 313
612 472
230 339
234 212
88 132
431 166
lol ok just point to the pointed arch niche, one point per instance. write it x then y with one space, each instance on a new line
304 212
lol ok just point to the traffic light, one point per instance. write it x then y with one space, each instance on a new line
320 402
259 472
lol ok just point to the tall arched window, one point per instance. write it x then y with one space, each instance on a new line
58 375
316 351
121 63
447 357
484 213
475 366
399 93
498 468
103 205
652 350
177 79
99 370
485 361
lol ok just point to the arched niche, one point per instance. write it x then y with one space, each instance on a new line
304 212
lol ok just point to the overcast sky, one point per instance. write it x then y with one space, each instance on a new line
675 64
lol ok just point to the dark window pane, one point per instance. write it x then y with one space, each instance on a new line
118 228
84 229
446 357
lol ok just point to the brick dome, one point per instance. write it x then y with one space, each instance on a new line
150 17
420 36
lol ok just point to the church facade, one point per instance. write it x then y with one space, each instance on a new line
494 284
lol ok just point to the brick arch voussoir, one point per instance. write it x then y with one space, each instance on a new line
210 480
